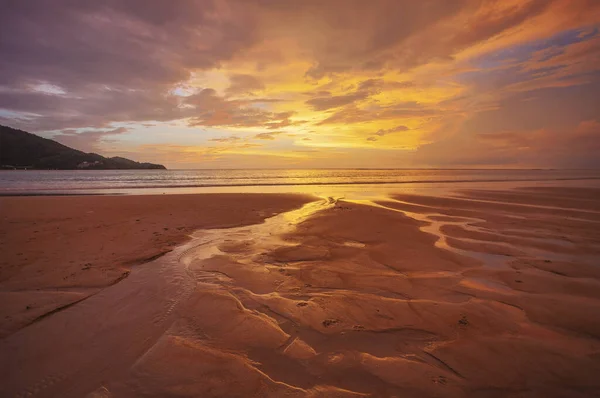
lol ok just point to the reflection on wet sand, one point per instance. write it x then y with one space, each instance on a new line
410 296
366 298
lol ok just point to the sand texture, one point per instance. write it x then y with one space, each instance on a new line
59 250
477 294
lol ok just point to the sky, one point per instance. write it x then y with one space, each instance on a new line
308 83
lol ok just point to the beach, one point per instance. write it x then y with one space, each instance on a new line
303 199
474 292
58 250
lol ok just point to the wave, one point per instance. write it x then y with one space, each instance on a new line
100 187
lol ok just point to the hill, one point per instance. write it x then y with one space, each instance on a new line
19 149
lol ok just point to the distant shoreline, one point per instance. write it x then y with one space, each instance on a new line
73 191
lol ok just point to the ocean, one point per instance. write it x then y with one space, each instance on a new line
41 182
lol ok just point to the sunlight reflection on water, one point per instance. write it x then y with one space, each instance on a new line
355 183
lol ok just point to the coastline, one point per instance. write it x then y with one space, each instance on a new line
284 187
331 181
477 293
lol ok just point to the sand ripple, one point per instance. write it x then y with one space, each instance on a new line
411 296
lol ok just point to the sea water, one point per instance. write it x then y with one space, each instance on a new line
40 182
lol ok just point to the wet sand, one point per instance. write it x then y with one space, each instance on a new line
59 250
481 293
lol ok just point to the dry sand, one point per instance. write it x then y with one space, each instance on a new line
483 294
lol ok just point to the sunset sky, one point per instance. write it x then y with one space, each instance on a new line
308 83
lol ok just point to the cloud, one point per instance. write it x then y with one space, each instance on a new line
88 140
191 155
574 147
207 108
371 33
324 100
353 114
98 109
118 43
115 60
267 136
328 102
243 84
382 132
396 129
226 139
